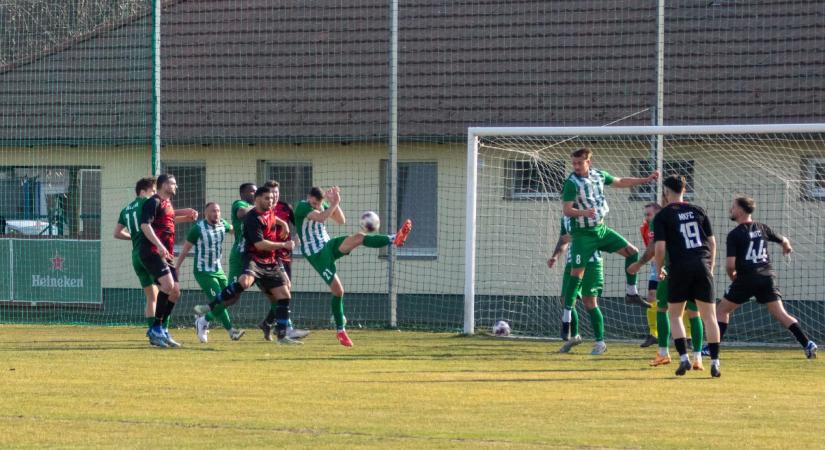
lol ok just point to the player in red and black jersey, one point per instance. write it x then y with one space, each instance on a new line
684 232
261 263
157 222
749 267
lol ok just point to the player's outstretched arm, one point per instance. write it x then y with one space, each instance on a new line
561 246
338 214
569 211
187 246
322 216
627 182
185 215
649 253
265 245
121 233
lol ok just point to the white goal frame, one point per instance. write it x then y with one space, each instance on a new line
474 133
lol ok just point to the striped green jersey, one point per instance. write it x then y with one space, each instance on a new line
313 234
130 218
237 224
565 228
208 242
586 193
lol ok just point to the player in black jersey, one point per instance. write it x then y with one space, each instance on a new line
749 268
684 232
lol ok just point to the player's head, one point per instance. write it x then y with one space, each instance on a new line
264 200
145 187
167 185
581 161
315 197
743 206
651 209
673 187
212 212
275 187
247 192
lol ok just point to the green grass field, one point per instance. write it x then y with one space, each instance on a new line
104 387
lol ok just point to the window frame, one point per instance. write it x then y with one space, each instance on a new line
513 180
182 229
636 170
406 252
810 189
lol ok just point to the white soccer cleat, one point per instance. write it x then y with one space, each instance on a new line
202 329
599 348
296 333
570 343
236 334
288 341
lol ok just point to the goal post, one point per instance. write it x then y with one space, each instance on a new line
514 179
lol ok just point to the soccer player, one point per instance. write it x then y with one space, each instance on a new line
584 202
646 231
658 289
591 289
261 264
284 212
157 223
128 228
322 252
207 238
239 209
749 268
684 232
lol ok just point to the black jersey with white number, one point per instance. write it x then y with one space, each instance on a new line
748 243
685 229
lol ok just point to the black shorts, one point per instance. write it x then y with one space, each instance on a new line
287 268
156 266
690 282
267 276
763 287
652 285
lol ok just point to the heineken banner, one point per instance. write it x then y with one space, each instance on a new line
51 270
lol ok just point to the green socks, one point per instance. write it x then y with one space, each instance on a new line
150 321
574 322
631 279
376 240
663 329
572 291
697 333
338 310
597 321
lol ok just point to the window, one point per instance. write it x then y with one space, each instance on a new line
643 168
534 179
813 176
191 179
417 200
295 178
58 201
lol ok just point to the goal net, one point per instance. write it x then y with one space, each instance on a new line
515 178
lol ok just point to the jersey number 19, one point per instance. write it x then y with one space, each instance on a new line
690 232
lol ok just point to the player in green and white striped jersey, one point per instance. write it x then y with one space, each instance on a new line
584 202
207 238
321 251
128 228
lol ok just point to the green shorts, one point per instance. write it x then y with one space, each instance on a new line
212 283
592 282
146 278
324 261
235 264
661 297
587 240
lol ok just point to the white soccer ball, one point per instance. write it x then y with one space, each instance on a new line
370 222
501 328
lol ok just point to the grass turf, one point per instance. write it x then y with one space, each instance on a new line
104 387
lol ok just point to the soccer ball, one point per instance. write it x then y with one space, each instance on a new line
501 328
370 222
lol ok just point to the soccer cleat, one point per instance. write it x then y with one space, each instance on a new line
714 371
706 350
202 329
684 366
635 299
598 348
649 340
565 331
660 360
288 341
402 234
810 350
572 342
202 309
697 365
236 334
343 338
169 341
156 338
267 329
296 333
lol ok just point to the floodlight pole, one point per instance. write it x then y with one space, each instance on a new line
392 164
156 89
660 96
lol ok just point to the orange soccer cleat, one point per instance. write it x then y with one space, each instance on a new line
343 338
660 360
402 234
